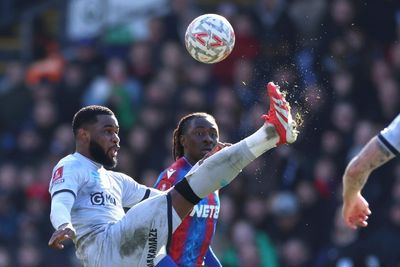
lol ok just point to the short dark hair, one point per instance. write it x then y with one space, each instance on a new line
88 115
177 147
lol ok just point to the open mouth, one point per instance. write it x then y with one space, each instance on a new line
206 150
114 151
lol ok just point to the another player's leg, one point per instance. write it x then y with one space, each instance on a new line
221 168
138 238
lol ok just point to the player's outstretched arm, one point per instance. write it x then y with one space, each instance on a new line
60 216
355 208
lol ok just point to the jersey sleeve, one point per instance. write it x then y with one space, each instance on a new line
133 192
390 136
163 183
66 177
60 213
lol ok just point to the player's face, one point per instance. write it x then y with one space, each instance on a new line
104 141
201 137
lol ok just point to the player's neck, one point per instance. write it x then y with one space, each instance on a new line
190 160
95 163
87 155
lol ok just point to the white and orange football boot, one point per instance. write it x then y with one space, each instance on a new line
279 115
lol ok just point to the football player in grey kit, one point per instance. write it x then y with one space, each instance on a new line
88 200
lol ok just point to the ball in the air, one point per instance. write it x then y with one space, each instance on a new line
209 38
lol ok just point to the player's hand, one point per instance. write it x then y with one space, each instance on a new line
356 211
217 148
63 233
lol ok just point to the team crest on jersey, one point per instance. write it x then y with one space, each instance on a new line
170 172
58 176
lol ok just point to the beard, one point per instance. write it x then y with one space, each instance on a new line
100 156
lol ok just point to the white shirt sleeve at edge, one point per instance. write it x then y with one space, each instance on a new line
391 136
61 205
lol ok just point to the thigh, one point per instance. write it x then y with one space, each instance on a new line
140 235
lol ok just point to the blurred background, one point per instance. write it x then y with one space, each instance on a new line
339 60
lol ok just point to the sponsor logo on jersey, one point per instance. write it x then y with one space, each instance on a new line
205 211
151 254
101 198
58 176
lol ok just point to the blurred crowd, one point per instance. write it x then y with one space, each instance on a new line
338 61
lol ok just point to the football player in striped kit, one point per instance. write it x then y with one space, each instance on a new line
195 135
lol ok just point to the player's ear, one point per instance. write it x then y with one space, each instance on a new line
83 135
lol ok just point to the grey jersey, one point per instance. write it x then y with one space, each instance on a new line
390 136
100 194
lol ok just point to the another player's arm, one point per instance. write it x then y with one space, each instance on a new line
355 208
360 167
60 216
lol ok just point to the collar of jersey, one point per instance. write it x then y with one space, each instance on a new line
97 165
183 157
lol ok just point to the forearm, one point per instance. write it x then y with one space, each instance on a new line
373 155
61 205
354 181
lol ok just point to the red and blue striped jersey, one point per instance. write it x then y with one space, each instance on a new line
192 238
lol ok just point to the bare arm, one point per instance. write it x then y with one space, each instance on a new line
355 207
372 156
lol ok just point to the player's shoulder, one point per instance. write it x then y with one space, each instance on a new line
70 162
69 166
176 170
180 163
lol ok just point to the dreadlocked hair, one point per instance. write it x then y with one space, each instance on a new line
177 148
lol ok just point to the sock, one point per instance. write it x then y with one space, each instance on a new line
221 168
262 140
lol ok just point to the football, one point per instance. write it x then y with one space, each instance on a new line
209 38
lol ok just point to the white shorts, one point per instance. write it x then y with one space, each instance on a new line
136 239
